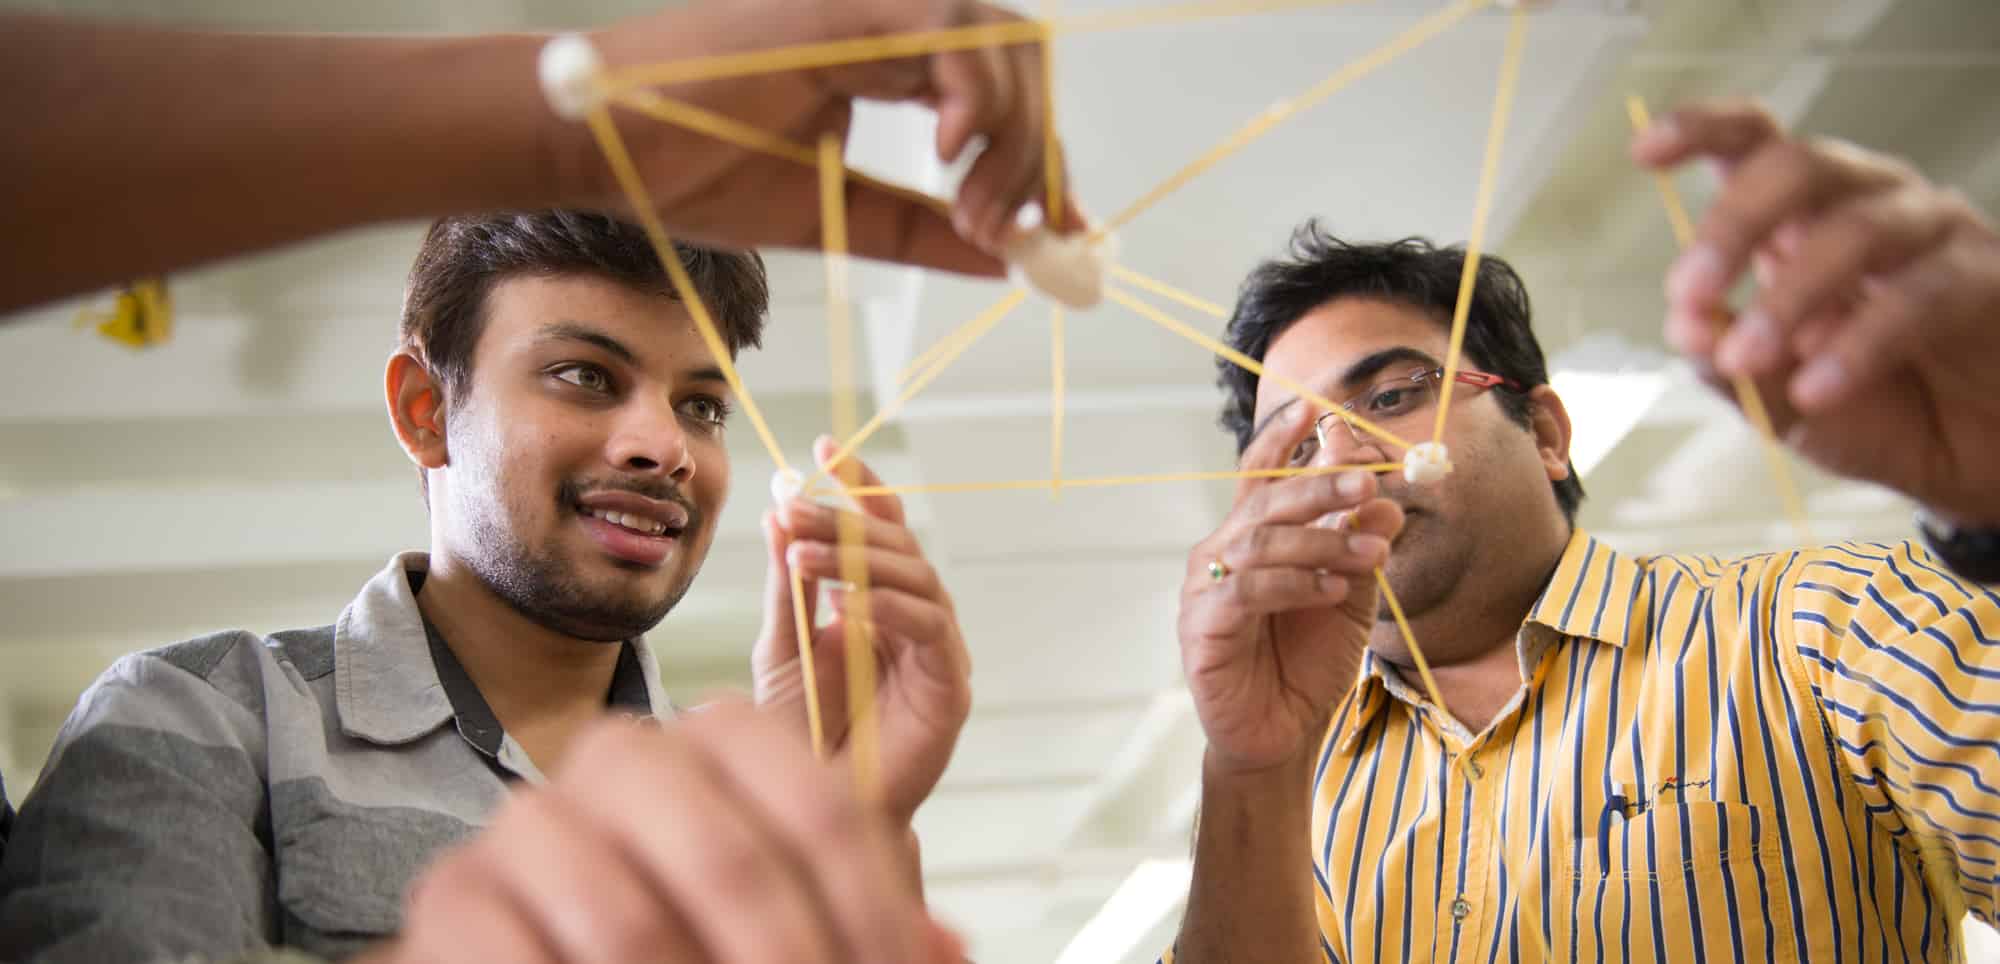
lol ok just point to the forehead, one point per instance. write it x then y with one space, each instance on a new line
1318 347
655 328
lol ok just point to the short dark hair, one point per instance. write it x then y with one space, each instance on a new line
1319 268
462 258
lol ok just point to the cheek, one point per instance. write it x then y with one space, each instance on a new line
711 476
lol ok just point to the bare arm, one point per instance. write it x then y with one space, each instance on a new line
137 150
1253 890
143 150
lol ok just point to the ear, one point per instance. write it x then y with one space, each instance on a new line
1549 420
416 410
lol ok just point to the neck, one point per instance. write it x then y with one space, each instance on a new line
542 685
1471 643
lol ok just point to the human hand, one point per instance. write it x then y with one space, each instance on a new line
1872 332
709 840
718 193
1272 645
923 689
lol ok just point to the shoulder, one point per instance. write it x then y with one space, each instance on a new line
212 688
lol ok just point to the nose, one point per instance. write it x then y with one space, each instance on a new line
649 439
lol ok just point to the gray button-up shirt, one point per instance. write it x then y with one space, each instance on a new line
234 791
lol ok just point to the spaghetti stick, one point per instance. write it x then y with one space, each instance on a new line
1489 169
922 42
862 742
1251 365
1403 43
1410 640
982 325
803 625
1117 480
663 248
1170 292
944 345
1747 396
732 131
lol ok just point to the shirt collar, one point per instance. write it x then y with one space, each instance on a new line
1592 594
392 686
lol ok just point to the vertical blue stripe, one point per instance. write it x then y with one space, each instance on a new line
1771 645
1747 613
1382 861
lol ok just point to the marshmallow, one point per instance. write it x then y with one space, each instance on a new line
786 484
570 69
1426 463
1068 269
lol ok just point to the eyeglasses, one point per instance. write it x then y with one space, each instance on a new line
1391 400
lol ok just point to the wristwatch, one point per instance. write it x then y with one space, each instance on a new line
1972 552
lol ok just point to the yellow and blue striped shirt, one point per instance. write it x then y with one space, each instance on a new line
1792 756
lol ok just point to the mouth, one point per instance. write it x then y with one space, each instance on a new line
632 529
632 522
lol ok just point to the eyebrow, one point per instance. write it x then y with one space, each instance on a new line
1357 375
578 331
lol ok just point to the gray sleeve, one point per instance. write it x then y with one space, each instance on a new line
148 835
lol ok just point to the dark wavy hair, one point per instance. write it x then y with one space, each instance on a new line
1319 268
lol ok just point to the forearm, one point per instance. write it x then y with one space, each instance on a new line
141 150
1252 895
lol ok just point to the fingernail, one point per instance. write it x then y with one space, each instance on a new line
1748 347
1696 275
1659 134
961 221
1351 485
1821 382
1760 336
1368 547
1688 335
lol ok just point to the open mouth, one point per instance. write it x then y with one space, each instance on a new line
635 523
633 529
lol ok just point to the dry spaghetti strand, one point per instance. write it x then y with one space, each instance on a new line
1169 292
1015 485
1251 365
684 288
863 732
923 42
1747 396
1258 126
729 130
1489 170
976 330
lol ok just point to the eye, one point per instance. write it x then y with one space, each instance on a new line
588 377
1303 454
1395 399
707 409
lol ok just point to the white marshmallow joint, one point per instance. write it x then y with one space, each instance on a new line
571 71
1426 463
1068 269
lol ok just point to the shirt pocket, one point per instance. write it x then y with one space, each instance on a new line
1679 881
343 868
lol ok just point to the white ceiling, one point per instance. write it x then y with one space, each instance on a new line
243 474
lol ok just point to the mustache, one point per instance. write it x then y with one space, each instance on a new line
572 492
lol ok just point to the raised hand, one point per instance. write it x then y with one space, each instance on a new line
717 192
1872 330
711 840
1276 640
923 690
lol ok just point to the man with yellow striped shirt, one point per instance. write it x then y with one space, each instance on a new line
1793 756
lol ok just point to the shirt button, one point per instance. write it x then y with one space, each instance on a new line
1460 908
1475 769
